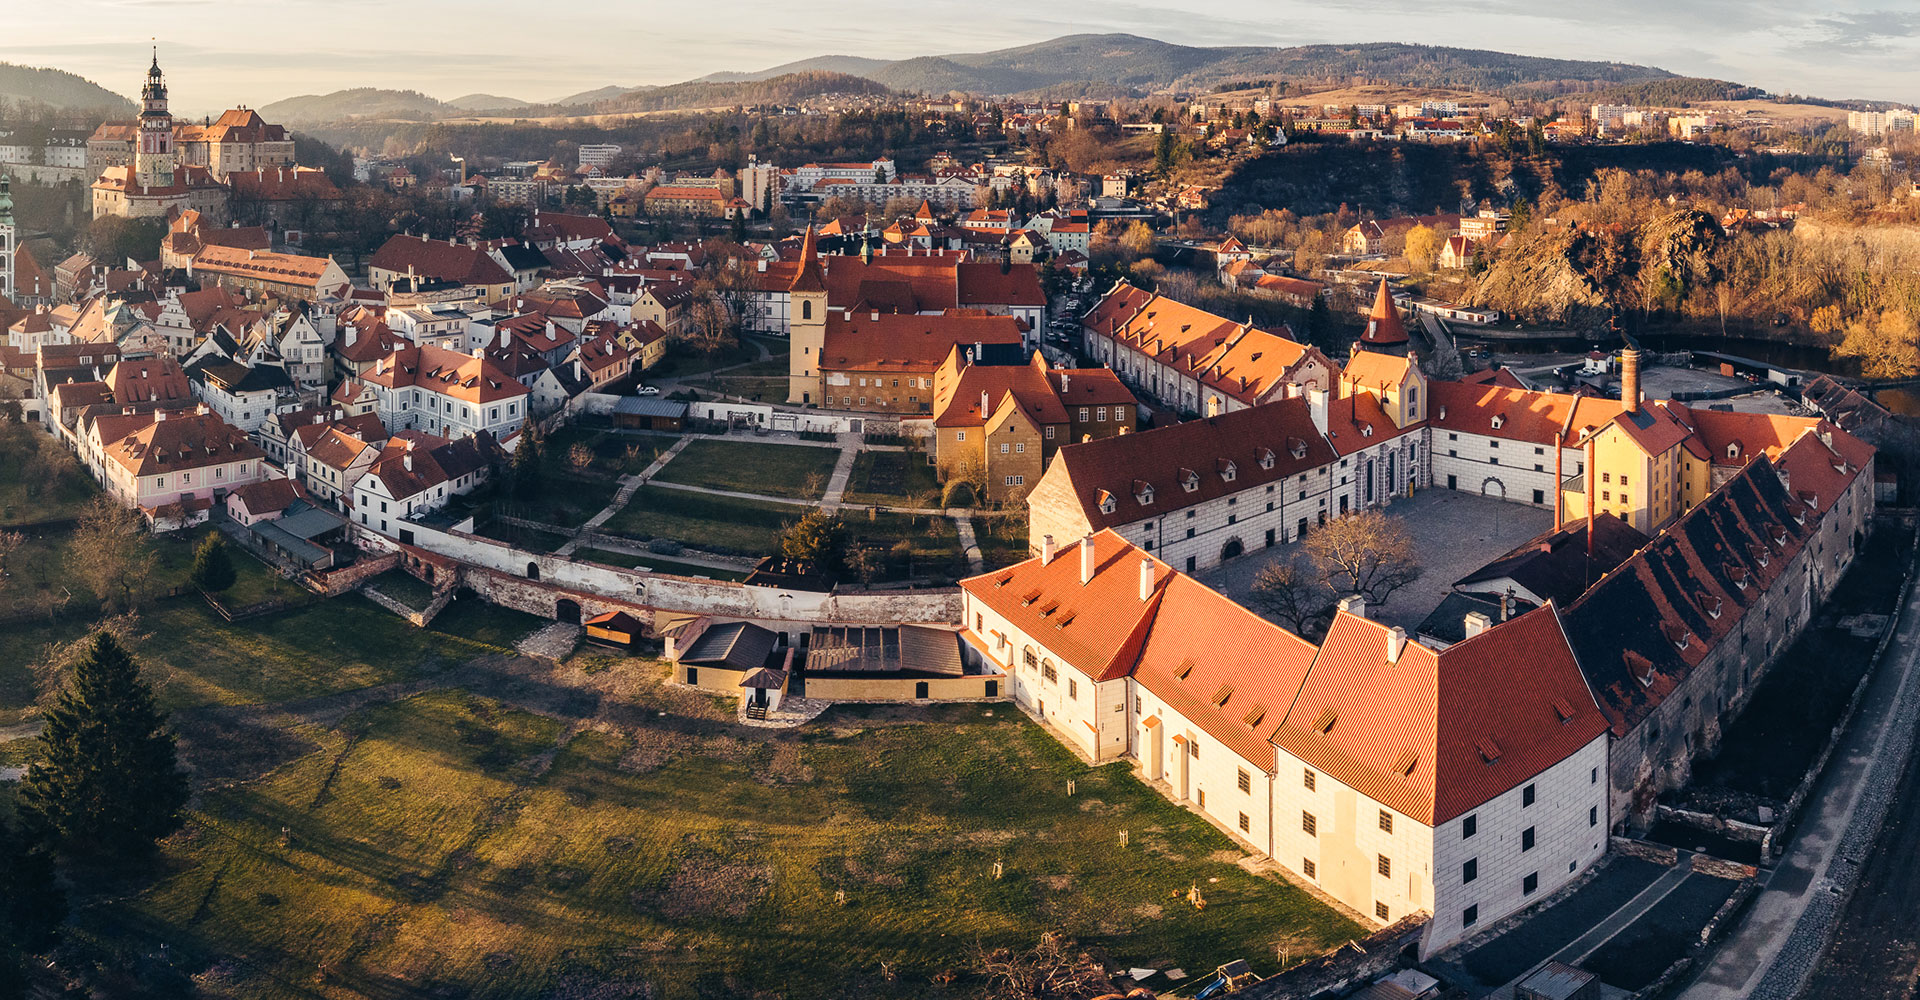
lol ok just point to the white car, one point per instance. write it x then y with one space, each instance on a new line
648 390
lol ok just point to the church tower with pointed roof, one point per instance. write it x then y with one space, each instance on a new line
153 160
807 301
1385 330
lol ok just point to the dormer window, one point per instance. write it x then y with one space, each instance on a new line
1366 430
1107 503
1266 458
1297 448
1189 480
1229 471
1733 449
1142 493
1499 421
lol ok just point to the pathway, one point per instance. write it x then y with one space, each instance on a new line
963 527
628 486
1615 922
1771 953
842 471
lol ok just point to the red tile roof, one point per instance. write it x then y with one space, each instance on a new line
905 341
1434 735
1097 627
1384 326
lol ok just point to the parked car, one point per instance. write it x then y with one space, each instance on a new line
648 390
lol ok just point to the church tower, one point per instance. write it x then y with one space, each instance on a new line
153 158
8 237
807 325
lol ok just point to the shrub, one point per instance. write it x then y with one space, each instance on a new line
664 547
958 493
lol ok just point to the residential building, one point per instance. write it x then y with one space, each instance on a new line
155 459
258 273
1000 424
446 394
417 474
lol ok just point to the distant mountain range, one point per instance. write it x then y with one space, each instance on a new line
1091 65
1148 65
59 89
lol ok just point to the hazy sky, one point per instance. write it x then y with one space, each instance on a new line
223 52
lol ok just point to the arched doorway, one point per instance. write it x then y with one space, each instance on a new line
567 610
533 571
1232 549
1493 488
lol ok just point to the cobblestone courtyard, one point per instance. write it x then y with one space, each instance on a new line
1454 532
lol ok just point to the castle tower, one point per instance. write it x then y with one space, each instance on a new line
153 161
7 237
807 325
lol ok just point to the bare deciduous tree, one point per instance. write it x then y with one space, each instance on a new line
1052 970
1368 553
1296 599
111 553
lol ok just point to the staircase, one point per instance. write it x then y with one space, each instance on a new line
757 712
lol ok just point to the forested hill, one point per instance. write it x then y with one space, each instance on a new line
1145 64
35 86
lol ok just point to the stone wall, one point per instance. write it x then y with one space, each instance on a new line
339 581
1351 964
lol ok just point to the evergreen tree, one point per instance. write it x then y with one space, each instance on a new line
1163 153
527 459
739 228
108 784
32 906
1320 323
212 566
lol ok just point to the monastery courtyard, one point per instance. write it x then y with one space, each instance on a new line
1455 533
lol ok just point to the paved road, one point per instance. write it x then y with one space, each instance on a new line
1771 953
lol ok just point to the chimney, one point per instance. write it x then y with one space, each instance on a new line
1396 643
407 460
1355 605
1477 623
985 405
1630 379
506 337
353 334
1046 549
1317 408
1063 381
159 415
1146 580
579 373
1086 560
1506 605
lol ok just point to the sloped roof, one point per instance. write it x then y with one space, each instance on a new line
180 443
908 341
1435 734
1097 626
439 259
1240 361
1163 457
1384 326
957 401
1557 564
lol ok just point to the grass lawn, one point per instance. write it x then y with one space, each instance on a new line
404 587
39 480
763 388
432 851
530 539
704 521
193 657
997 551
936 554
891 479
780 470
613 454
564 499
627 560
682 361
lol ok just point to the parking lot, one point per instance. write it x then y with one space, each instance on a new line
1454 533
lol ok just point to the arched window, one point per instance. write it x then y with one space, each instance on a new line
806 309
1027 657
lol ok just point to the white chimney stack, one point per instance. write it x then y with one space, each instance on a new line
1046 549
506 338
985 407
1146 580
1477 623
1396 643
1354 605
1086 560
1317 408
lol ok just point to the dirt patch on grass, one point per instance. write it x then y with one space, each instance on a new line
1149 911
784 766
705 884
1058 883
223 746
1226 857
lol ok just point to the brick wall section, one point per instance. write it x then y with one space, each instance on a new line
1659 854
1354 962
341 580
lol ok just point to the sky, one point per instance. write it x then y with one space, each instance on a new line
221 53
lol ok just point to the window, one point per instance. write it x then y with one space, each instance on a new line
1386 821
1526 840
1593 777
1529 884
1047 671
1383 865
1027 657
1469 870
1470 916
1004 447
1246 824
1020 448
1193 750
1308 825
1100 415
1073 689
1380 910
1306 779
1083 414
1526 796
1469 826
1049 433
1245 781
1308 868
959 435
1593 815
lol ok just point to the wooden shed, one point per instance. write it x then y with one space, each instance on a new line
641 413
615 628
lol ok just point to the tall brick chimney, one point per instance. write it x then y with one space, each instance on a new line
1630 379
1086 560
